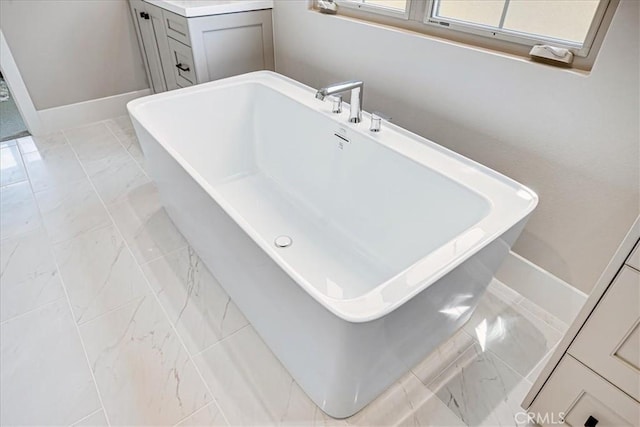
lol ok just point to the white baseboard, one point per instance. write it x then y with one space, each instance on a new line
81 113
541 287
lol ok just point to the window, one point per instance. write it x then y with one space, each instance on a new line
564 23
513 26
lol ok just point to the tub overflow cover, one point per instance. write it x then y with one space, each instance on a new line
283 241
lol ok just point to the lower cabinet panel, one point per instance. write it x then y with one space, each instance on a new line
609 342
574 393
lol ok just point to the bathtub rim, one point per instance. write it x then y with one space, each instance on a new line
389 295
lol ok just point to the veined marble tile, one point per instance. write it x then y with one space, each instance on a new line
210 415
99 273
97 419
11 167
133 147
513 335
118 178
45 379
145 224
197 305
252 387
52 167
406 402
431 412
70 210
443 356
97 147
18 210
30 144
86 135
29 276
143 372
481 389
123 129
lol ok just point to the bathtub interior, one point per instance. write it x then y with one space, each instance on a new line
357 212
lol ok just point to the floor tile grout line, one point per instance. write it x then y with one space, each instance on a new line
125 148
111 310
155 296
487 350
11 183
164 255
66 294
174 251
531 313
499 293
507 364
455 359
517 305
75 236
202 408
511 368
86 417
21 160
26 313
416 407
210 346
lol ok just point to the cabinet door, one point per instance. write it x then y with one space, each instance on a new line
148 45
574 393
231 44
183 69
609 342
156 16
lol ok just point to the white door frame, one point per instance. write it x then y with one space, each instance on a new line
18 90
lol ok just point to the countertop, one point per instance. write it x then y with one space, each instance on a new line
193 8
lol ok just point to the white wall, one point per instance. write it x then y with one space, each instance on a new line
70 51
573 138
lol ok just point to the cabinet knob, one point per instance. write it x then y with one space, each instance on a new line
144 15
591 422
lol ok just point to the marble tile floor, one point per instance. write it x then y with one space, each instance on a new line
108 317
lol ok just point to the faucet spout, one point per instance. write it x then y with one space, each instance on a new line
356 87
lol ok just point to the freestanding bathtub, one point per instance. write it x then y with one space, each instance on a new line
389 239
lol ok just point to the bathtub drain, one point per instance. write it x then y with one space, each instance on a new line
283 241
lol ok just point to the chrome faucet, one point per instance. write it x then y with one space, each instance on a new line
356 87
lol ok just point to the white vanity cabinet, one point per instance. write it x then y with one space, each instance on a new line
209 42
148 22
593 379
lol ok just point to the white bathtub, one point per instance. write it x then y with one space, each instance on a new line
394 238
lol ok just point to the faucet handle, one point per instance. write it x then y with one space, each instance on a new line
376 121
336 104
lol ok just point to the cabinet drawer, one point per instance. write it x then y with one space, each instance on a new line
634 258
609 342
177 27
573 393
183 68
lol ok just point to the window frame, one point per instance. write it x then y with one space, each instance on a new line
418 11
379 10
581 50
